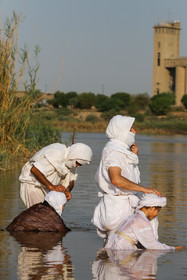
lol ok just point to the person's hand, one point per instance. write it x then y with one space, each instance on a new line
68 195
134 149
179 247
58 188
152 190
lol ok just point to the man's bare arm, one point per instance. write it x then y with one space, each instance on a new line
121 182
42 179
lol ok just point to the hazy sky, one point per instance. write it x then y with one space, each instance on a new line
105 45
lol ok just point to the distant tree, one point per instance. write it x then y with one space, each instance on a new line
60 99
161 103
110 104
142 100
74 102
100 99
72 98
86 100
133 107
123 99
184 100
53 102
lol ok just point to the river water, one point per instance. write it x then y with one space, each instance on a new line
79 254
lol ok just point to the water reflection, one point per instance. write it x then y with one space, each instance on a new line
162 164
133 265
42 256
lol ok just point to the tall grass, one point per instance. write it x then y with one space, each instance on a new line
16 74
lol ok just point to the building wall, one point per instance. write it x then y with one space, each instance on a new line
166 46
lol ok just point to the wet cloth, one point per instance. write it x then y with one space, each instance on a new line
57 163
151 200
40 217
138 228
116 203
56 200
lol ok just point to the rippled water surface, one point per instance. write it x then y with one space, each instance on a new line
79 254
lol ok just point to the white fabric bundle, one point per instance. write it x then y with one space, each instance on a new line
56 200
151 200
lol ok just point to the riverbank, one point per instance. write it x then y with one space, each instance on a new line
93 121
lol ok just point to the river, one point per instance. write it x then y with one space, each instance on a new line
79 254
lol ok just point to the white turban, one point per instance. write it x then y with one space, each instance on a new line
151 200
56 200
79 152
119 129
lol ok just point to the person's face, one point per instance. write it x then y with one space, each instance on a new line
133 130
153 212
77 164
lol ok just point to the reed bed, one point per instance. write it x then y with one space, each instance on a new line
16 75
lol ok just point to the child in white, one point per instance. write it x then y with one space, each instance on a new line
138 229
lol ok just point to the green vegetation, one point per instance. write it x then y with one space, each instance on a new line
18 133
184 100
161 103
153 115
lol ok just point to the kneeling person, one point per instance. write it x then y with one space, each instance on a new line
137 229
45 216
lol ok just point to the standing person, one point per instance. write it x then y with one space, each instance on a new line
52 168
118 177
137 232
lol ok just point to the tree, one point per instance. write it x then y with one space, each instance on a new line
161 103
100 99
122 99
86 100
142 100
184 100
72 98
60 99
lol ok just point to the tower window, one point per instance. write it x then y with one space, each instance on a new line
158 59
158 44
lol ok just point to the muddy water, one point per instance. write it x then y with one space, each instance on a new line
79 254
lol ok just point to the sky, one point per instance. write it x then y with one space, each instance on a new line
99 46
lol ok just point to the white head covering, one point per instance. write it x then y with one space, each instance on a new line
56 200
119 129
121 139
78 152
151 200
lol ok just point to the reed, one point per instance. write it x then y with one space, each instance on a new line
16 75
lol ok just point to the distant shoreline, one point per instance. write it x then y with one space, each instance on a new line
175 123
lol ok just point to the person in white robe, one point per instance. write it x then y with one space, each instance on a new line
118 177
137 232
52 168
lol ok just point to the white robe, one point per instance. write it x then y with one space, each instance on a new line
139 229
115 204
52 162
